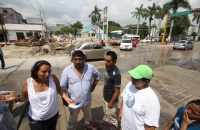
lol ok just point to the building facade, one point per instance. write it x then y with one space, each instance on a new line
14 28
89 32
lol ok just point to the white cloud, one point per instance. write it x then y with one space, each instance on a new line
78 10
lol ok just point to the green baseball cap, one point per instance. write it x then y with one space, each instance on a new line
141 71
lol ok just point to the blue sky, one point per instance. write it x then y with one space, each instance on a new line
60 11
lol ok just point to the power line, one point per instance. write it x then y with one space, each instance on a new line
33 7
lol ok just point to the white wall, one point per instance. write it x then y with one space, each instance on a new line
12 35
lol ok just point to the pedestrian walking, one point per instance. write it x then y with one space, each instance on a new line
2 58
186 118
140 108
79 80
111 90
41 91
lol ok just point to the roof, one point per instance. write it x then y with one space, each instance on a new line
87 29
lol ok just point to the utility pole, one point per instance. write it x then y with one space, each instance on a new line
45 24
165 28
41 24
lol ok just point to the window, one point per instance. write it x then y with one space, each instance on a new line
87 47
5 11
93 35
20 35
29 34
79 46
97 46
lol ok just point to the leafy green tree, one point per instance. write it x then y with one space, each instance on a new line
138 14
181 23
95 16
57 33
194 34
174 5
196 16
143 26
160 14
66 30
112 26
149 13
76 26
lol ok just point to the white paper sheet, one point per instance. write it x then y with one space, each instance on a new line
73 106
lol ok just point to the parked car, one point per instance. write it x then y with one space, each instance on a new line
92 50
183 44
147 40
177 38
126 44
158 39
134 41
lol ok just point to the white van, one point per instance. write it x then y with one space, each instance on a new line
126 44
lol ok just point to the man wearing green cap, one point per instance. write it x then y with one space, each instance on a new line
140 108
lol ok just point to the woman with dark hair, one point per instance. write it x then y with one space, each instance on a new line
41 91
186 118
100 125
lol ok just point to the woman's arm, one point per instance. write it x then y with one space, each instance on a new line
20 98
170 123
150 127
61 92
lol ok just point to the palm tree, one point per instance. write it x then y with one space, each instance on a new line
148 13
196 16
95 16
160 14
174 5
138 13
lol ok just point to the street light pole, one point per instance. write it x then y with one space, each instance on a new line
153 29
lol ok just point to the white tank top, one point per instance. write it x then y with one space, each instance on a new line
43 105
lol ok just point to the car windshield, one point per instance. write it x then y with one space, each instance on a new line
181 42
133 39
126 41
79 46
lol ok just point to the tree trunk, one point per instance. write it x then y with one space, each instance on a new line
149 32
138 26
159 26
95 30
99 31
170 32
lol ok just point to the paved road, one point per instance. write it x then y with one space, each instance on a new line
174 85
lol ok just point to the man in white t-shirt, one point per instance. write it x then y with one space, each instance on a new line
140 108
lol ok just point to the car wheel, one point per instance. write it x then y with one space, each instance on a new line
192 48
174 48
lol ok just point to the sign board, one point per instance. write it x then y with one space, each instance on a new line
181 13
105 18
